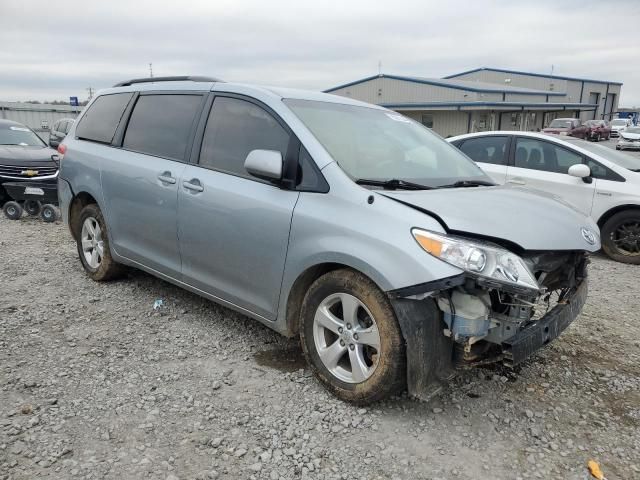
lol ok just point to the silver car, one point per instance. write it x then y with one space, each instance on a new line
389 252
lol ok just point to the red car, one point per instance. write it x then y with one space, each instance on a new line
598 130
567 126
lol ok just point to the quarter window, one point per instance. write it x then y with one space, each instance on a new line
100 121
236 127
487 149
160 125
539 155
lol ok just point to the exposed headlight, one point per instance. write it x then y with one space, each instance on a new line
477 258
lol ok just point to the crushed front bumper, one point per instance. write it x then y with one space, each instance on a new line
538 334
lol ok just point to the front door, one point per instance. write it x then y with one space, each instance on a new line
234 228
543 165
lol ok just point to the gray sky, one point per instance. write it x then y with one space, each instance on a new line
52 50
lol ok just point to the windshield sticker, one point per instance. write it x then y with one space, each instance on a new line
398 118
19 129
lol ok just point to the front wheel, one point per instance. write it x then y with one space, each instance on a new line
93 245
621 237
351 338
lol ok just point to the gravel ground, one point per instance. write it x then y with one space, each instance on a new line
96 384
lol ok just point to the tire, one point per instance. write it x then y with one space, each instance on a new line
12 210
613 235
49 213
105 268
384 369
32 207
618 147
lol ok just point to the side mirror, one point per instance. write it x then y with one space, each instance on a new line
580 170
264 164
53 144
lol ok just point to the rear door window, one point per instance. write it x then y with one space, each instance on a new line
236 127
160 125
100 121
491 149
540 155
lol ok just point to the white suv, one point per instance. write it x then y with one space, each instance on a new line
597 180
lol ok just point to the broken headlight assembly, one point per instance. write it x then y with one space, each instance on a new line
479 259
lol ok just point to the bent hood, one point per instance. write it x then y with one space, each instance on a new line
531 220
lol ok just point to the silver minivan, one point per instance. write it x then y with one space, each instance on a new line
389 252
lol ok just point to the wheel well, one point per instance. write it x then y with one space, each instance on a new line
299 289
80 201
607 215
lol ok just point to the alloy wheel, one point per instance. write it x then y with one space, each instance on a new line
92 243
626 238
346 338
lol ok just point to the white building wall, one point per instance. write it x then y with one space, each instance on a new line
388 90
517 80
445 123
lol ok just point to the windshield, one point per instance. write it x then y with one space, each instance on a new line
19 135
560 123
632 130
621 159
375 144
619 122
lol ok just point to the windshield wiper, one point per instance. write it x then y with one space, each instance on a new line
392 184
468 183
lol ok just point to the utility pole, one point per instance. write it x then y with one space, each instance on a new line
151 70
90 90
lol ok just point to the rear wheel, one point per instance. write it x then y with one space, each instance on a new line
32 207
93 245
621 237
12 210
351 338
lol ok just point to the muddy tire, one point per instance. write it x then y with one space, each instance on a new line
92 240
351 338
621 237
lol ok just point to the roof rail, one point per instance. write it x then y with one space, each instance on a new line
189 78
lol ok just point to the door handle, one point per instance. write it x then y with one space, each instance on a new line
165 177
517 181
193 185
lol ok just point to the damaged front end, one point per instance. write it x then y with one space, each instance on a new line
498 323
502 308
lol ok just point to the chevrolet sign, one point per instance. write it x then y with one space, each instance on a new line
29 173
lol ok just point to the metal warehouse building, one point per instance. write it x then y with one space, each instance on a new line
487 99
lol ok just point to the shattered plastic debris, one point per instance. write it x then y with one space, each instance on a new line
158 303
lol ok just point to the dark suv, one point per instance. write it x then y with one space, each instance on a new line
24 157
59 131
